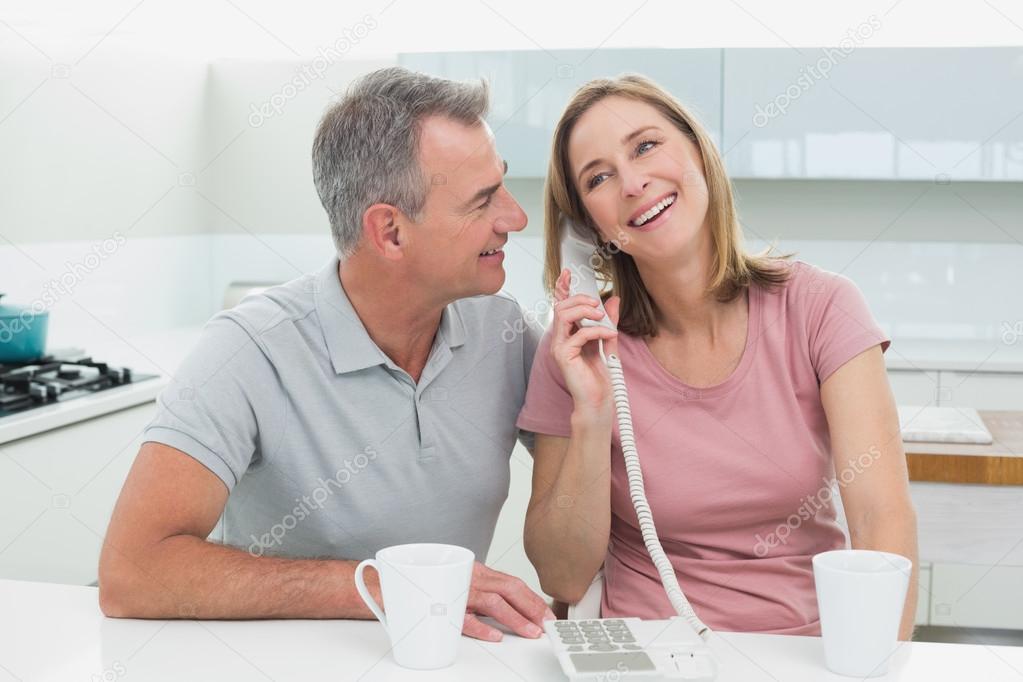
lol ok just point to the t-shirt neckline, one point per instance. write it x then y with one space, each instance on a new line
753 326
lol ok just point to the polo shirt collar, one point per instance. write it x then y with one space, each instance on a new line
348 343
452 328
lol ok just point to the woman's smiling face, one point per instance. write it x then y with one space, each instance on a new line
640 179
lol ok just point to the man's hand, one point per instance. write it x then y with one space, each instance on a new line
507 600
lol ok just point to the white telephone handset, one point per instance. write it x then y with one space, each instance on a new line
577 254
629 648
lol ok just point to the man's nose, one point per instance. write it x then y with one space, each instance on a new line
513 219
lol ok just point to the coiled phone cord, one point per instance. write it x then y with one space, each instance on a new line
646 519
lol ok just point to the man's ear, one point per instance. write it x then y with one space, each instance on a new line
385 227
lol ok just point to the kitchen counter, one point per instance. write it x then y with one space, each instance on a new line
57 632
999 463
156 353
56 415
995 355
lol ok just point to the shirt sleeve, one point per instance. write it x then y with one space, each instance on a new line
548 405
218 401
531 335
839 323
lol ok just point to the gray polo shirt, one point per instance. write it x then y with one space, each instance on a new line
327 447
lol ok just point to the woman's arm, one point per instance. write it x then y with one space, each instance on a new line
866 445
568 520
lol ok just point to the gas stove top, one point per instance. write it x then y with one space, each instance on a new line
58 377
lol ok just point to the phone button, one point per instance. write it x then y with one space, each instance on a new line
603 647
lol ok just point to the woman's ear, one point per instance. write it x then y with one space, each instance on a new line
383 228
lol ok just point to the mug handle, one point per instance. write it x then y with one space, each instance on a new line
360 585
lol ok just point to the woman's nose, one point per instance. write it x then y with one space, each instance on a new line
634 182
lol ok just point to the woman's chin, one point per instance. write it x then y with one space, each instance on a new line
669 242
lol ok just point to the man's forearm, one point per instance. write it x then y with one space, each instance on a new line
187 577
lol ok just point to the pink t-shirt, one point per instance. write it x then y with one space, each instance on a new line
738 475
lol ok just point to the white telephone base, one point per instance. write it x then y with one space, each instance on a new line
626 649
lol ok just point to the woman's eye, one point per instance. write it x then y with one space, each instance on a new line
642 148
595 180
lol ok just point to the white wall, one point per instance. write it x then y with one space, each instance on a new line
265 28
97 147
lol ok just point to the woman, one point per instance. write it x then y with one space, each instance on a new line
755 382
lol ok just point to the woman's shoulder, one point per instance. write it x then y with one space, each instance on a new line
806 284
830 309
812 296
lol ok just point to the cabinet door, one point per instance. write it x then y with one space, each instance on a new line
57 491
880 113
529 89
981 524
982 390
977 596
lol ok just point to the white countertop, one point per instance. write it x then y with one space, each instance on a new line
57 632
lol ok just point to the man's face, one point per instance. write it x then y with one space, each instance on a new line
468 212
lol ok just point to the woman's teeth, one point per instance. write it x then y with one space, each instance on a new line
654 210
491 252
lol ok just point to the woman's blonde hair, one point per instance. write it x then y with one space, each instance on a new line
733 270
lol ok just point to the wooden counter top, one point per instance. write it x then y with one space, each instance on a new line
1000 463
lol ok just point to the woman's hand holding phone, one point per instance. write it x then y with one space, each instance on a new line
576 351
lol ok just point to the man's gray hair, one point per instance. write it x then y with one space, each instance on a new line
366 149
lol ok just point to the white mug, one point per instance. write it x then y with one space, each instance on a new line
425 588
860 596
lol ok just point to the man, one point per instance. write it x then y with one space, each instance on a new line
367 405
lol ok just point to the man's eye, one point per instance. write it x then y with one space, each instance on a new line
595 180
486 203
642 148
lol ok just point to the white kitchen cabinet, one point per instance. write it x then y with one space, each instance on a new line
883 114
970 534
923 596
914 387
982 390
969 522
57 491
507 552
935 114
967 595
529 89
